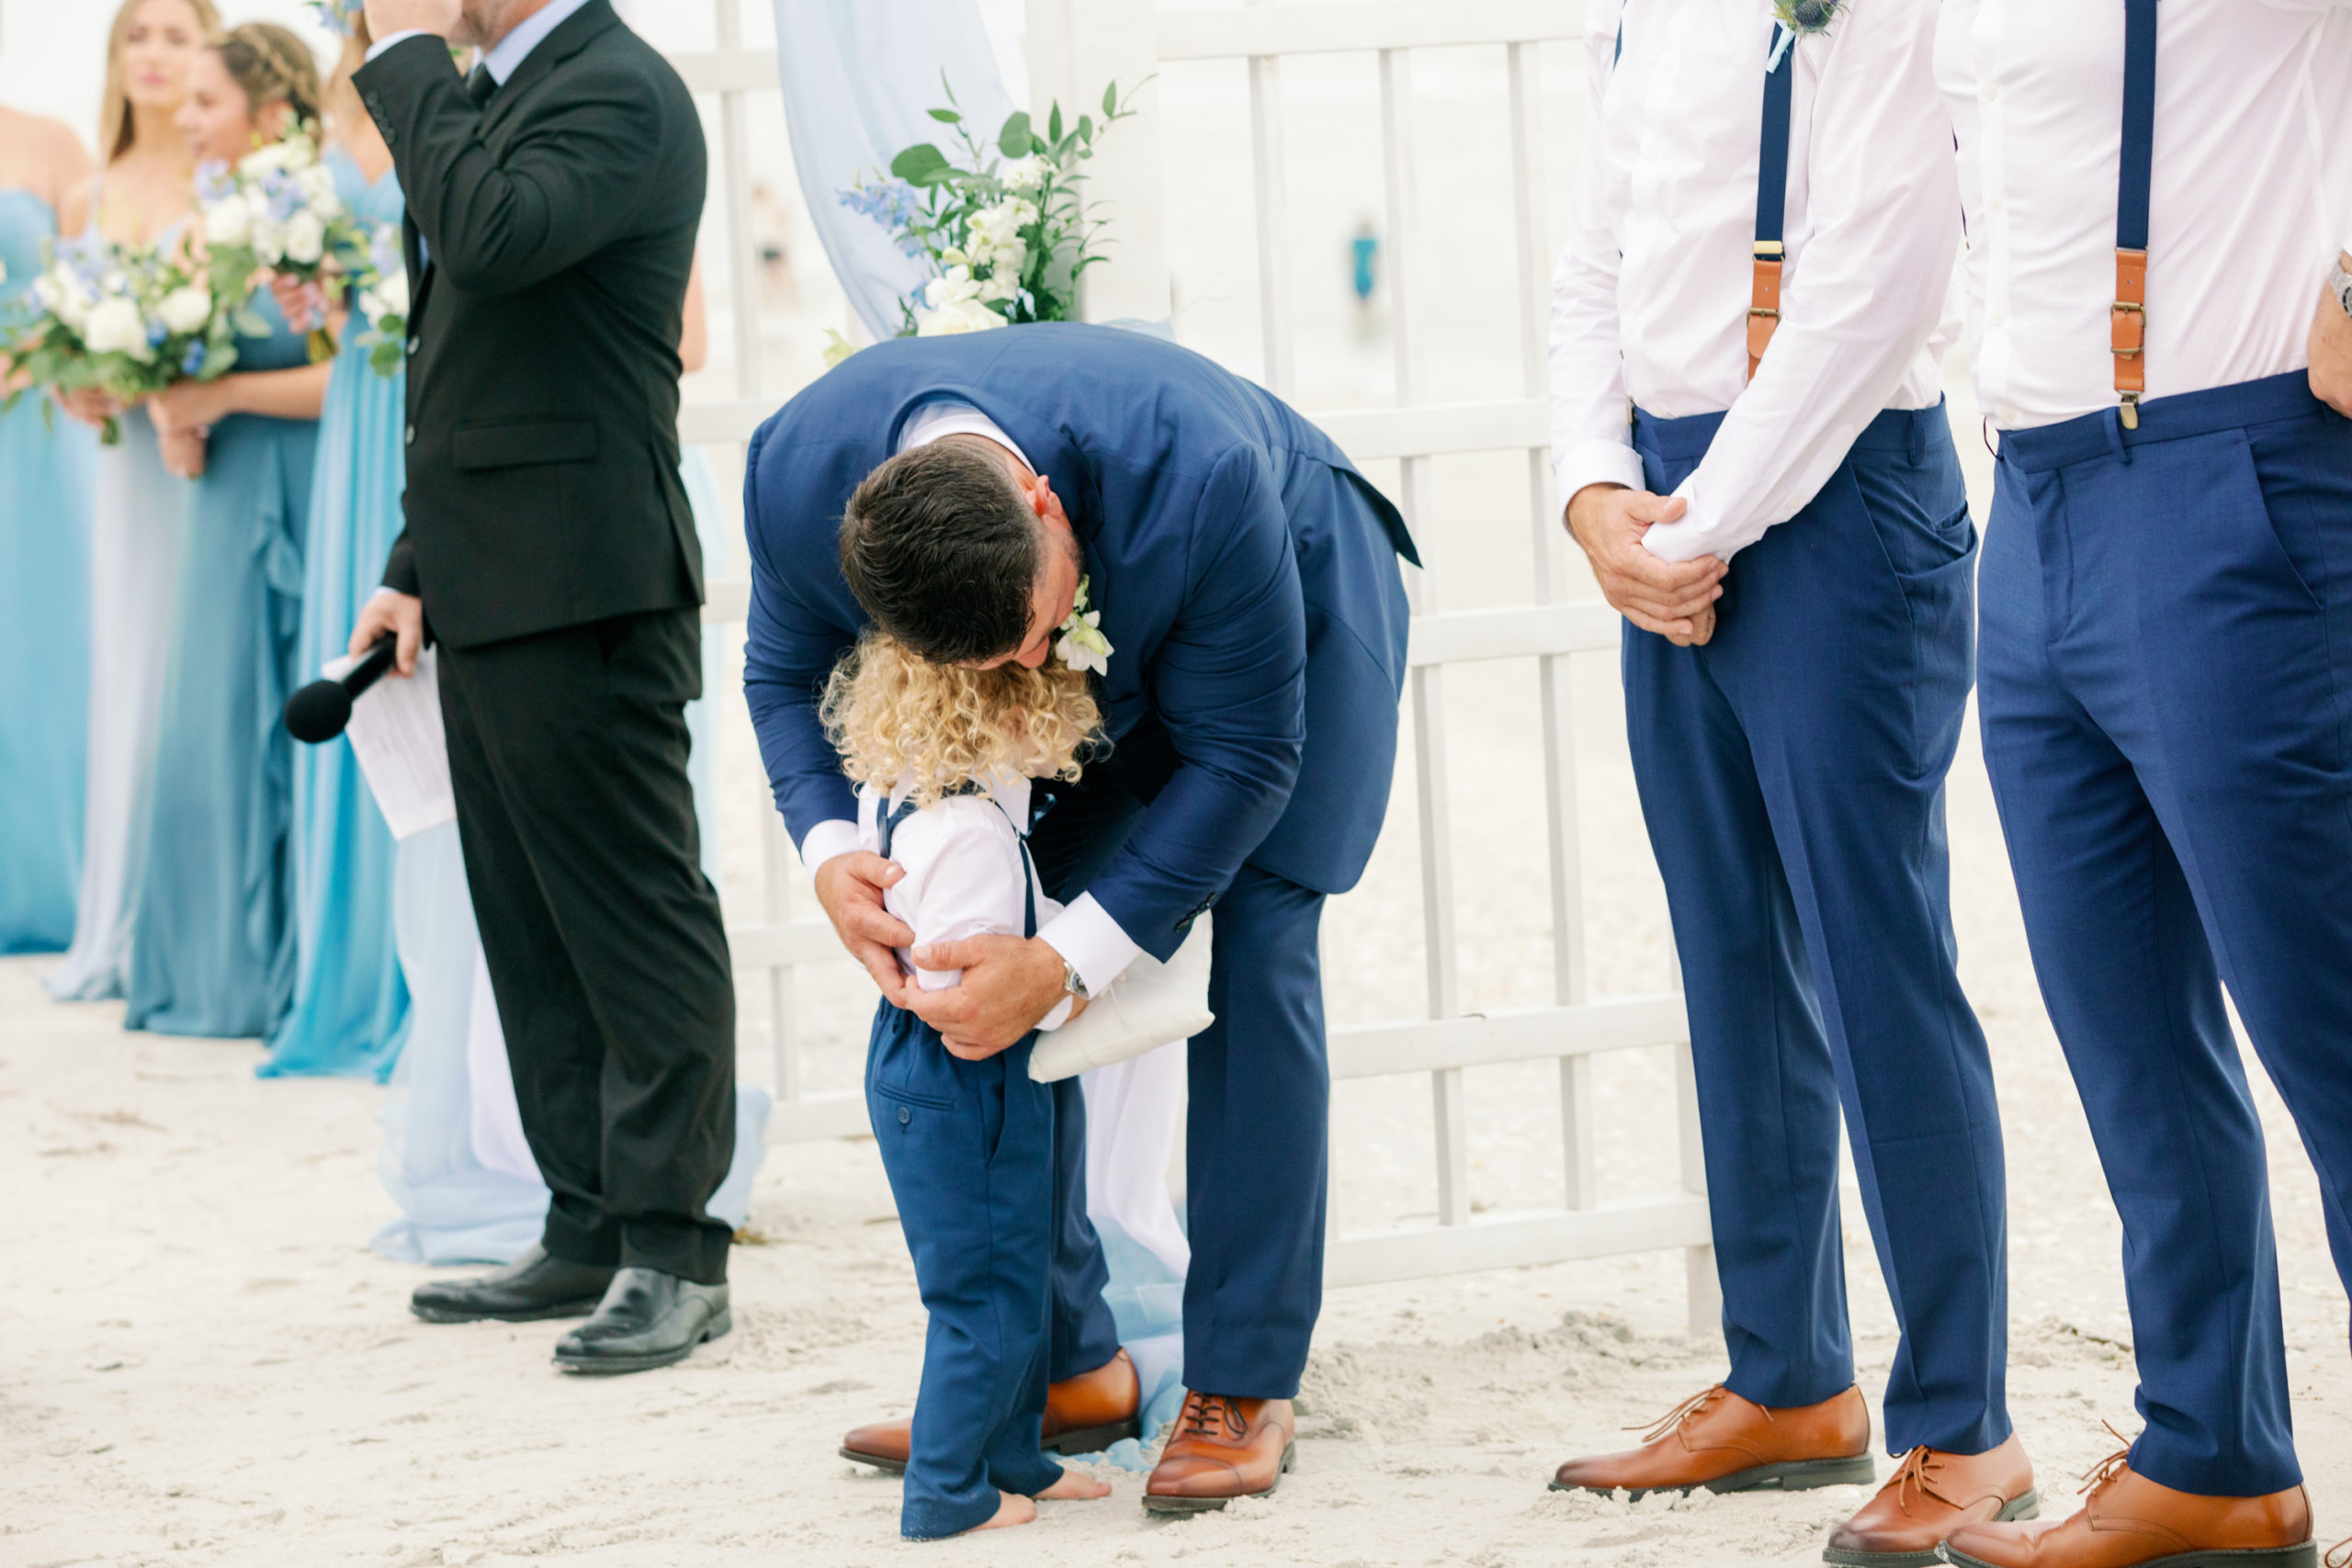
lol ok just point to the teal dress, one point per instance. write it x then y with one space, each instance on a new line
212 920
350 1006
46 461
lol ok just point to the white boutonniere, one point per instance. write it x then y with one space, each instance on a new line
1081 644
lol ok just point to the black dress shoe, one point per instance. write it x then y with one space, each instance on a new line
647 1319
532 1287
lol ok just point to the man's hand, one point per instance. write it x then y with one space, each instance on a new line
850 887
2331 349
439 17
1010 983
402 615
1675 600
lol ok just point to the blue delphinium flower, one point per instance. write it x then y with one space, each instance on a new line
213 181
194 361
890 203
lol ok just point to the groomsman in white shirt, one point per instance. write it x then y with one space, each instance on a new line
2159 198
1751 441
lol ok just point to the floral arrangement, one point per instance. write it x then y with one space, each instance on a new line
275 211
340 18
1078 640
1806 15
125 320
1003 225
382 298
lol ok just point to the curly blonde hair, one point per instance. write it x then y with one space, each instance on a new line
899 721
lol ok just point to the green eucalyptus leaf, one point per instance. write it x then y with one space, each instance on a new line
1014 140
946 116
1110 99
1053 123
921 164
248 323
1086 128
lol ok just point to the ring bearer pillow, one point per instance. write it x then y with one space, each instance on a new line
1151 1005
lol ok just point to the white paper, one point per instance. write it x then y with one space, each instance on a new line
396 734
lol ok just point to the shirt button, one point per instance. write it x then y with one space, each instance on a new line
1996 318
905 1116
1991 91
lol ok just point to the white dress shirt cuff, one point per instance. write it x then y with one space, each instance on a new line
382 44
1598 463
1089 941
825 841
1688 537
1059 1016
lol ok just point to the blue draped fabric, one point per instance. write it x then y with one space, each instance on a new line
350 1010
46 462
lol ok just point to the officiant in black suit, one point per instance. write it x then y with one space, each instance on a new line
553 200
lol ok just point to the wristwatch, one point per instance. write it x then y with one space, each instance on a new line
1074 983
2339 282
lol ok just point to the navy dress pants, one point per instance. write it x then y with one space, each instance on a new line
1791 775
1256 1140
2167 712
969 1150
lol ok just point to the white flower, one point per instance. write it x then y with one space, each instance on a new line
227 221
317 184
117 327
276 155
1081 644
950 287
999 287
268 239
186 308
957 316
1026 174
390 296
306 237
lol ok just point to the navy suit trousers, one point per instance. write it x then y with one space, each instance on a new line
1791 775
2167 713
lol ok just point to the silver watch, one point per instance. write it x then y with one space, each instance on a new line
2339 282
1074 983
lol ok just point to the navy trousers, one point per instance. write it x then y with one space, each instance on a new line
1256 1141
2167 713
1791 775
969 1150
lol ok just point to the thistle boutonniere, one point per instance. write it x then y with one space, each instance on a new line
1806 15
1081 644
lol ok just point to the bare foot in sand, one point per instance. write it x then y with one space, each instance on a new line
1010 1510
1077 1484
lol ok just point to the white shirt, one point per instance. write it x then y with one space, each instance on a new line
966 874
511 50
1085 934
2251 198
1650 298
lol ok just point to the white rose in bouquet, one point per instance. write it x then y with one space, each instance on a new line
306 237
388 297
266 241
116 327
317 184
276 155
1026 174
227 221
185 309
957 316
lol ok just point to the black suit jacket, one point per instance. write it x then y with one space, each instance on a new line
557 224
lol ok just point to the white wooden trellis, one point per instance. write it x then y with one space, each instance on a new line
1075 45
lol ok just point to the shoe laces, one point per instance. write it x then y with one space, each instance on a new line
1690 1408
1211 1415
1914 1478
2098 1476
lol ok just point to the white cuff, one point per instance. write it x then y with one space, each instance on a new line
1686 538
1598 463
1059 1016
382 44
1089 941
825 841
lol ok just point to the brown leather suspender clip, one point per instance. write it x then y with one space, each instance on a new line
1763 302
2128 331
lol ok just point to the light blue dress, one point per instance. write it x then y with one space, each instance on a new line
46 462
453 1157
350 1009
212 919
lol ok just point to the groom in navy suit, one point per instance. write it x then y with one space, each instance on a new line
956 492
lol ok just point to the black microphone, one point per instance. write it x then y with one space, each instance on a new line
320 710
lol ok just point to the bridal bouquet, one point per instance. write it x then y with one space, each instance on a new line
275 211
384 300
125 320
1002 225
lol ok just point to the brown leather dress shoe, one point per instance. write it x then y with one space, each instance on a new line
1930 1495
1723 1442
1222 1448
2129 1521
1084 1415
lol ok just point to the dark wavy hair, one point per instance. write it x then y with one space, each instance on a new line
942 552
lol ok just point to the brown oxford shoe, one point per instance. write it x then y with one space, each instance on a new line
1084 1415
1222 1448
2129 1521
1930 1495
1723 1442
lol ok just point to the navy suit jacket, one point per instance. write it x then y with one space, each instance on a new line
1246 573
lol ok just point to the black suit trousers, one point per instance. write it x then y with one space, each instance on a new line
568 753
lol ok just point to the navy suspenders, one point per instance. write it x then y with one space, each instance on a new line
2128 321
887 821
1771 195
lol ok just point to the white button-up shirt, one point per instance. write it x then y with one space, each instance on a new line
1085 934
2251 199
1650 298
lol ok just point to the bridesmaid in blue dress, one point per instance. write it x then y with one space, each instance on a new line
45 474
351 1005
212 927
